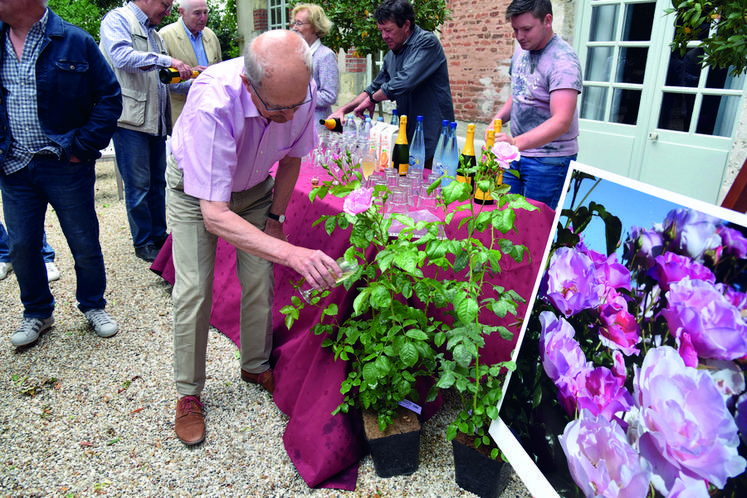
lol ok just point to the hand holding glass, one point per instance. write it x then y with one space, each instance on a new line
308 292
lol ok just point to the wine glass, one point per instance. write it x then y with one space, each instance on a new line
348 268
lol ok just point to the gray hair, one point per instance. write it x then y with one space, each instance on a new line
255 65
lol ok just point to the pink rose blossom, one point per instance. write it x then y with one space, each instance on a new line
505 153
601 461
358 201
686 427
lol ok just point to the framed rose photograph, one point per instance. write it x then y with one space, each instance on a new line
630 377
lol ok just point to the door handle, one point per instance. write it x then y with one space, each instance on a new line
653 136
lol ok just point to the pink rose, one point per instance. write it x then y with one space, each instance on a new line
358 201
505 153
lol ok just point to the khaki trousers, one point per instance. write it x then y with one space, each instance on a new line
194 262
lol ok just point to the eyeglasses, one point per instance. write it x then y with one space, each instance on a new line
281 108
298 24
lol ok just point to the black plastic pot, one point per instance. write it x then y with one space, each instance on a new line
479 474
395 455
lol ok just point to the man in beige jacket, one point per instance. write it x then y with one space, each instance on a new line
191 41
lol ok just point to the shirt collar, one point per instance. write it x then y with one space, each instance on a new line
140 16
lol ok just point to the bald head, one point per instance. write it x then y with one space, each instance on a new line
278 57
277 73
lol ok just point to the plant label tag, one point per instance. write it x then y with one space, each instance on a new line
411 406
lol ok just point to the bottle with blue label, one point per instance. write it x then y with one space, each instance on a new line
365 131
417 150
395 118
450 157
438 155
350 129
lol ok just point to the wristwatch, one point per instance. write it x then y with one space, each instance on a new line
279 218
371 99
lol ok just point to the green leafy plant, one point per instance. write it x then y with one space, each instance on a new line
390 341
719 25
479 384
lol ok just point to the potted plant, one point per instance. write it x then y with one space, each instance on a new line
475 296
391 338
388 342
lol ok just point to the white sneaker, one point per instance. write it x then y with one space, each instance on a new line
30 330
102 322
52 272
5 268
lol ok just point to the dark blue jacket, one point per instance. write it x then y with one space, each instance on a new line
78 96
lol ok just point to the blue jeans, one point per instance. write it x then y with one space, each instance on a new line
141 159
69 189
540 178
47 251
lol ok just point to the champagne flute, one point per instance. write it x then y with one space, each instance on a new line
348 268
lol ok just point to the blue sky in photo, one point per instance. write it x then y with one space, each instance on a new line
633 207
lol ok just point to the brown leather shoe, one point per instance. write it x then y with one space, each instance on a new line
190 423
264 379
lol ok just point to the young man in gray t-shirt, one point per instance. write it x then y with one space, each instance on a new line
545 83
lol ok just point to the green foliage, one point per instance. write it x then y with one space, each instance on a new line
355 26
388 342
83 13
721 27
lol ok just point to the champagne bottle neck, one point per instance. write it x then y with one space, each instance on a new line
402 136
469 143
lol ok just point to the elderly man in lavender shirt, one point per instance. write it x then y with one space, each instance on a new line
241 117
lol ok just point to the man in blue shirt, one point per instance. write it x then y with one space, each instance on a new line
191 41
59 109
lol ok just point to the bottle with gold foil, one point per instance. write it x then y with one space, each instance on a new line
401 151
170 75
468 159
497 124
480 196
334 124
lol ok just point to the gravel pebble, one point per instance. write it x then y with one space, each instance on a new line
82 415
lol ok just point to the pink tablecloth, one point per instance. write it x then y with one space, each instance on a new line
326 449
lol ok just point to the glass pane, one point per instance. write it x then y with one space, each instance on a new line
717 115
603 22
639 19
625 104
631 65
734 83
721 79
593 102
683 71
676 110
598 63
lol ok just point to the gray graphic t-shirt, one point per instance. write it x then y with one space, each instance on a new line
534 74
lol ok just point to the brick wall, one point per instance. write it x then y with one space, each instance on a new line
478 43
260 20
353 63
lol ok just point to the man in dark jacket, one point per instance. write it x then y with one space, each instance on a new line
59 107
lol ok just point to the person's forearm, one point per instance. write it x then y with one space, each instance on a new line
348 108
504 114
221 221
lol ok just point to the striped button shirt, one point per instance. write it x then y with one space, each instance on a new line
19 78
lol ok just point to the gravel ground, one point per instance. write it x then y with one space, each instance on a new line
81 416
